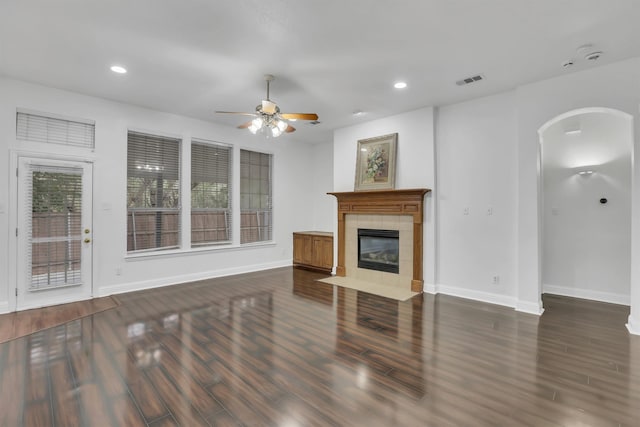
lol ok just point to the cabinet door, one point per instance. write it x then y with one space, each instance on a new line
307 251
302 248
298 249
327 253
316 260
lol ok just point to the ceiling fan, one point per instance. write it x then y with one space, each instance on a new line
268 118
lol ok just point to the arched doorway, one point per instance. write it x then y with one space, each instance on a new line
585 198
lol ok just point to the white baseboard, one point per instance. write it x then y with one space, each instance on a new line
488 297
4 307
534 308
185 278
587 294
633 326
430 288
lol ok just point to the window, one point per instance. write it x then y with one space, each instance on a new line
153 192
210 193
40 128
255 197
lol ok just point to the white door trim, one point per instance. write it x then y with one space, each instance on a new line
13 212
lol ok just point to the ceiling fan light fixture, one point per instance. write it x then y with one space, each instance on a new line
275 131
269 121
256 124
277 127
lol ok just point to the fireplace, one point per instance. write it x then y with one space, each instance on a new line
382 209
379 250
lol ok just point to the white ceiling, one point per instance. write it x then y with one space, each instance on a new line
193 57
604 139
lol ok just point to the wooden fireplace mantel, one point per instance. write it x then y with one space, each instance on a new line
384 202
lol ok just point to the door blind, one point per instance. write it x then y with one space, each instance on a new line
153 192
210 193
54 199
39 128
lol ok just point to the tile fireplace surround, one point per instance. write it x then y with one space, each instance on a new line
382 209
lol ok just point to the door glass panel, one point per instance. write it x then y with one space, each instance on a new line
56 227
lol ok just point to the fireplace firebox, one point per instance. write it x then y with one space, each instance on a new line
379 250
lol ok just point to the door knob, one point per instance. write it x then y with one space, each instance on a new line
87 240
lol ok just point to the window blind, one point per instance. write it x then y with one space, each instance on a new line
210 193
256 217
153 192
39 128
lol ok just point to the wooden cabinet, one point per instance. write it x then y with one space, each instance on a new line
313 249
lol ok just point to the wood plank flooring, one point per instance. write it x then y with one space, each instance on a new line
278 348
21 323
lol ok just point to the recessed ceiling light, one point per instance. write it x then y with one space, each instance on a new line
400 85
118 69
358 113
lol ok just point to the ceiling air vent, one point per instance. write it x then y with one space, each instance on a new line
314 122
469 80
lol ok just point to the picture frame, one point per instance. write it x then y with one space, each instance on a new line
376 163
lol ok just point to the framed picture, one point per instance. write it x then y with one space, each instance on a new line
376 163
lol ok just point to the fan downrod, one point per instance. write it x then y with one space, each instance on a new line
268 78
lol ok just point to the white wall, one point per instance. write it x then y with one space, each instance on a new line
292 197
614 86
477 199
415 165
324 209
488 157
586 245
473 248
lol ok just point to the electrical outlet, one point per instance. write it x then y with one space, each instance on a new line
489 211
118 271
495 280
465 211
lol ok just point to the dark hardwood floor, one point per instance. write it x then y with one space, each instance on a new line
21 323
277 348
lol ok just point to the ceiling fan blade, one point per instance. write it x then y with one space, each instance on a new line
245 125
236 112
299 116
268 107
290 129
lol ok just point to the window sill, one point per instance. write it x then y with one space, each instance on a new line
170 253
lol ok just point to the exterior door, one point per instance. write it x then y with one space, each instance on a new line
54 232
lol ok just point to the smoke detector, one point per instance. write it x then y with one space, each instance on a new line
584 49
593 56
